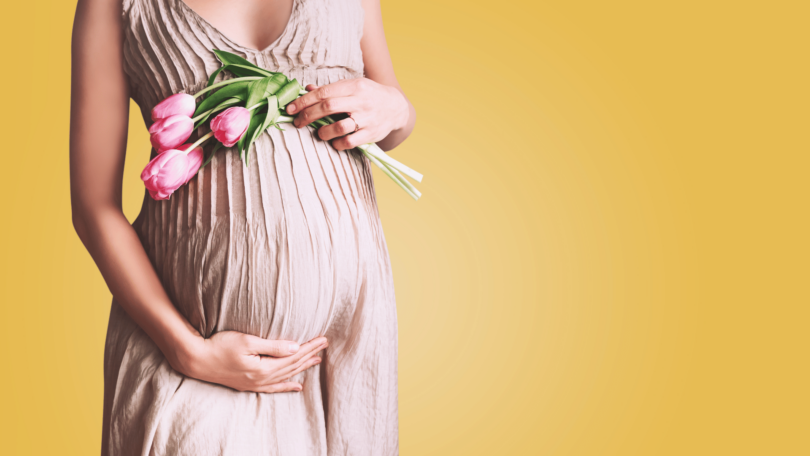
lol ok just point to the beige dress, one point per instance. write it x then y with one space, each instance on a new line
290 247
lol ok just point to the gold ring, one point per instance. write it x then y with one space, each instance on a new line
356 126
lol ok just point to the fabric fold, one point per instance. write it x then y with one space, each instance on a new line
290 247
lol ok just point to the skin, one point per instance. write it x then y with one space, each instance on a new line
378 106
376 102
98 135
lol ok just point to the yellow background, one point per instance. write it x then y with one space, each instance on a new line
610 257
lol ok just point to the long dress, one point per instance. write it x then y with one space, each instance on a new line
290 247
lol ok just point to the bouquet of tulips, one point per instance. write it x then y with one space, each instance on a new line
242 108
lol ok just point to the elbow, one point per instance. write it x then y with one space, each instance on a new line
83 221
79 224
90 220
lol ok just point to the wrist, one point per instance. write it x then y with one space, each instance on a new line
402 108
184 350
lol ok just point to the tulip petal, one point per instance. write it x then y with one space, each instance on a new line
177 104
170 132
165 173
230 125
195 160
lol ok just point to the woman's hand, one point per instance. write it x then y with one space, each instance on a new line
376 110
249 363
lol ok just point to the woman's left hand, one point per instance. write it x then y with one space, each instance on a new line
376 110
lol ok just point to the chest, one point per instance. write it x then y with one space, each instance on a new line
167 44
254 24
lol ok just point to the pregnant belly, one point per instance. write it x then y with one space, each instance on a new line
279 249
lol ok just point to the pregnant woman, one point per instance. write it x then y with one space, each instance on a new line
253 311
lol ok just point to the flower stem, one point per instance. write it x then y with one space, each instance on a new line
388 165
404 181
374 149
201 115
200 141
390 172
224 83
261 103
393 171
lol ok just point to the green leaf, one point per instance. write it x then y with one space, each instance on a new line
238 65
225 104
269 117
202 121
240 146
276 83
251 134
242 70
215 74
272 113
228 58
318 124
235 90
288 93
256 91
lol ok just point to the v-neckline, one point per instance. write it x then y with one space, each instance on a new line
269 47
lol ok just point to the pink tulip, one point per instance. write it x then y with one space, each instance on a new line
230 125
170 132
195 160
166 173
179 103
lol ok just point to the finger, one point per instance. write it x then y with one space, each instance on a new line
342 88
274 369
353 140
311 87
275 348
285 370
280 387
325 108
339 128
291 371
306 351
312 363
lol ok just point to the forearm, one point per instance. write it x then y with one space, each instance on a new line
99 111
119 255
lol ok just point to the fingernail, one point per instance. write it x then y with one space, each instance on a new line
290 108
294 348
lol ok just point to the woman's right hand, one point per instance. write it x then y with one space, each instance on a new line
249 363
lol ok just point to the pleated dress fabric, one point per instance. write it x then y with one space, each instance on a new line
290 247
